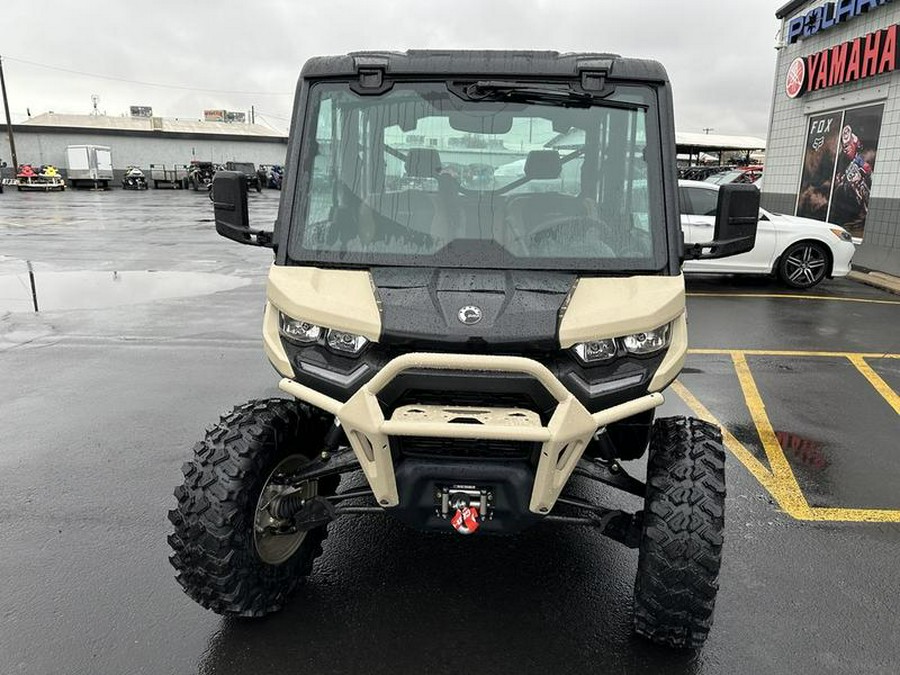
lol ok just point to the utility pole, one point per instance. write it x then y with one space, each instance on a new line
12 141
252 114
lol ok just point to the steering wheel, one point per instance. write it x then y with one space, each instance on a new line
590 229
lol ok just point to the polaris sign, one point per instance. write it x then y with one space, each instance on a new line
828 16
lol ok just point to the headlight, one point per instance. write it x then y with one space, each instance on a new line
841 233
299 331
347 343
306 333
647 342
596 350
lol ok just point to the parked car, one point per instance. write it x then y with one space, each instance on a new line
799 251
703 172
735 176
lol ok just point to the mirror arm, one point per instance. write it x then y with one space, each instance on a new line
263 238
711 249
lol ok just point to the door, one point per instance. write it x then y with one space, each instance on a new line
104 163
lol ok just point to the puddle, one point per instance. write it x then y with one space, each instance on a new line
96 290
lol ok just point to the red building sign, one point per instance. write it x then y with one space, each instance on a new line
873 54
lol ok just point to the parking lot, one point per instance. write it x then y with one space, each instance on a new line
149 327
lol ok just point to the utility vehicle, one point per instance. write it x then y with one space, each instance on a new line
248 169
471 349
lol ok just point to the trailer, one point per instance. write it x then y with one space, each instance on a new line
89 166
44 179
163 177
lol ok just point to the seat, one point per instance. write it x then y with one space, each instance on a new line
526 213
422 163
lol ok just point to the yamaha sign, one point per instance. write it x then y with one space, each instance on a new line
872 54
828 16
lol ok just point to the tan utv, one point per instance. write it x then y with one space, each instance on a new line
477 301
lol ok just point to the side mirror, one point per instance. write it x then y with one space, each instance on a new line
737 215
229 198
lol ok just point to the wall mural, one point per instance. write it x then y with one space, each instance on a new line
841 149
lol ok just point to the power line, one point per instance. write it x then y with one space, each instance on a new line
147 84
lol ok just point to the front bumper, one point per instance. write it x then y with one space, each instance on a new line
843 255
563 439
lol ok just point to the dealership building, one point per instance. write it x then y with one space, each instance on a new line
833 151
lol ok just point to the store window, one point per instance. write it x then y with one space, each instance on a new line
841 149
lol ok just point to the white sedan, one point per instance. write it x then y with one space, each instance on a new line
800 251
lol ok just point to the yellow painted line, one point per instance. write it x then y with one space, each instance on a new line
798 354
876 381
779 482
854 515
788 296
792 498
754 466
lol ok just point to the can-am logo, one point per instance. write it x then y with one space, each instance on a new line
872 54
828 16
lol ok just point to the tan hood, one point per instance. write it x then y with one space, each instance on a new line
340 299
605 307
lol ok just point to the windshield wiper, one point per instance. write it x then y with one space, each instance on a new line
513 91
498 90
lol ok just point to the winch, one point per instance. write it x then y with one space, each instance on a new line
467 506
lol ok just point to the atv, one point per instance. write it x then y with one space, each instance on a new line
199 175
475 350
134 179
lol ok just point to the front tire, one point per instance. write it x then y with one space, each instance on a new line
804 264
216 554
683 524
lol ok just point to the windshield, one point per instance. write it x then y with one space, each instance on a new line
428 175
244 167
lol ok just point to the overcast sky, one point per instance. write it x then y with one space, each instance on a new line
720 55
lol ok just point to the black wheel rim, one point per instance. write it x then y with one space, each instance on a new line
805 265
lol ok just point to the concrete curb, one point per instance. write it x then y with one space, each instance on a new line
880 280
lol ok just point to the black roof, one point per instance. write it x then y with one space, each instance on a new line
486 62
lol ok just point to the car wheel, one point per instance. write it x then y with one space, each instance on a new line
804 264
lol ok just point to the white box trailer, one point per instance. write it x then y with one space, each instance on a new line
89 166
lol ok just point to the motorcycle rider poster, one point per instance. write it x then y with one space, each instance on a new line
838 165
856 156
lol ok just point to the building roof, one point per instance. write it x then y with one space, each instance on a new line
789 8
697 141
684 140
164 125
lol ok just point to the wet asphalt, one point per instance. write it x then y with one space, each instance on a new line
105 390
